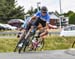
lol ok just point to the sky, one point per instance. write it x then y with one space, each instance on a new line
52 5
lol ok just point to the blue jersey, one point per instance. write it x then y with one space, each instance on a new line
45 18
26 22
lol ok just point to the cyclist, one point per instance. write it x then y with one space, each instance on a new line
26 25
43 18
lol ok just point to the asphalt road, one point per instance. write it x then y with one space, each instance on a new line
52 54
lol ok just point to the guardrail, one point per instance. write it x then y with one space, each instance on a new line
8 32
54 33
15 33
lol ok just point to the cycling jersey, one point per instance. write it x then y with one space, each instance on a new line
45 18
26 22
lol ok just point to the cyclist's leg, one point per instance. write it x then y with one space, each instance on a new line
43 30
36 23
43 23
22 37
23 30
26 29
33 29
43 33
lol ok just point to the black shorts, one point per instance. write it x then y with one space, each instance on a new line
42 22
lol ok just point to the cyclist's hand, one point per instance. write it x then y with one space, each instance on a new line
52 26
19 29
18 36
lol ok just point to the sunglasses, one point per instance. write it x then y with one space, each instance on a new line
44 12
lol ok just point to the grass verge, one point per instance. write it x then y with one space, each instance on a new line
51 43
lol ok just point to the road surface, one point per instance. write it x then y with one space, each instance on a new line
52 54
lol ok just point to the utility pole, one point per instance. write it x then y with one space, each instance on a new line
60 6
60 12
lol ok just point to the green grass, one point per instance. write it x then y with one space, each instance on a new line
51 43
56 42
7 44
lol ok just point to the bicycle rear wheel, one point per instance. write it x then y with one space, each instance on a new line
39 46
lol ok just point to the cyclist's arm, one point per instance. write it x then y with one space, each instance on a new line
48 25
36 15
33 17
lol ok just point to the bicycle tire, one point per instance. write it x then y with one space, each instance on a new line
20 40
41 43
26 43
73 44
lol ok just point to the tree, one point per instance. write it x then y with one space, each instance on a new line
72 18
56 13
31 11
35 10
8 10
68 13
